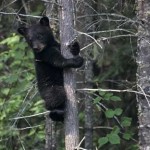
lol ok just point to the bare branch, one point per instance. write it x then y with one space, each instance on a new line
113 90
43 113
24 15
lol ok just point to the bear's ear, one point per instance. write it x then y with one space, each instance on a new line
44 21
22 30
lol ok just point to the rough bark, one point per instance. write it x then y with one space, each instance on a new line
50 134
88 81
66 36
143 73
88 107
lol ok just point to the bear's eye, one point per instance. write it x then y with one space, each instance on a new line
30 40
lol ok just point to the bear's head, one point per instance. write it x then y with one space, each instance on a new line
38 36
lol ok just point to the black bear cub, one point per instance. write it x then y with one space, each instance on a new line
49 65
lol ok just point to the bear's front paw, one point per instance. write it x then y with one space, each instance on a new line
78 61
74 47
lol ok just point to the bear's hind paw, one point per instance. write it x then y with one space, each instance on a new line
57 115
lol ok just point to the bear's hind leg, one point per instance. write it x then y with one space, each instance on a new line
57 115
55 101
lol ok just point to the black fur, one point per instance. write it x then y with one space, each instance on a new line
49 65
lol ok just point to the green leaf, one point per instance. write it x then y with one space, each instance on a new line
81 116
115 98
126 121
118 111
113 138
127 136
30 77
41 135
5 91
102 141
19 54
109 113
11 40
21 46
12 78
134 147
115 130
97 100
108 96
38 103
3 115
32 132
102 93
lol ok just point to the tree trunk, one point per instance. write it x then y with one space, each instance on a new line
143 73
66 36
50 134
88 80
88 107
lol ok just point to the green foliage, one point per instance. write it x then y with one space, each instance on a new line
126 121
18 96
109 113
118 111
127 136
106 96
114 137
102 141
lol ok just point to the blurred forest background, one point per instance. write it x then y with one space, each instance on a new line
107 33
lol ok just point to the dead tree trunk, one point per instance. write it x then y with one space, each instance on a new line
143 73
85 9
88 81
50 136
88 107
50 133
84 25
66 36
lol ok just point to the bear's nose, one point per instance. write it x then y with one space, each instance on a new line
35 46
36 49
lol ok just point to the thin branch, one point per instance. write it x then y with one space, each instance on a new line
20 129
98 127
113 90
82 33
114 30
118 36
78 147
8 5
23 15
46 112
108 14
